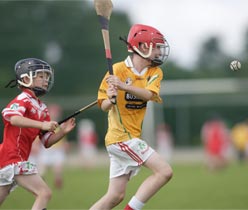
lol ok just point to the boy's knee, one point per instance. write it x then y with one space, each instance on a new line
169 173
46 194
166 174
117 198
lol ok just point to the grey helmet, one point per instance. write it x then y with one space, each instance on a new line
29 67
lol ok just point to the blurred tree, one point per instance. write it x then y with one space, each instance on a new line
172 71
66 34
244 55
245 50
211 57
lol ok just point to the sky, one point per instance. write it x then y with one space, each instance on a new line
186 24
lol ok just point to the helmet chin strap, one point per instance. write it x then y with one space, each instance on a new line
12 83
38 91
156 62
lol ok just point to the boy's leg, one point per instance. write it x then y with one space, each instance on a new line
162 173
114 195
35 184
134 203
4 192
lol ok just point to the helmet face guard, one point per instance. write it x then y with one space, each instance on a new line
152 38
30 68
163 55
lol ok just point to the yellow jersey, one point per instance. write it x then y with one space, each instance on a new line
240 136
125 119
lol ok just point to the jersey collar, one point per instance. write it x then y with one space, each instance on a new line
129 63
30 93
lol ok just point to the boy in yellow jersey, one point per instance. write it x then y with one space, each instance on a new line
136 81
240 139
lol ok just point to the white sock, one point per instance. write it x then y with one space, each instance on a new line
135 203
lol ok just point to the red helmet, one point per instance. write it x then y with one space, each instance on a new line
151 37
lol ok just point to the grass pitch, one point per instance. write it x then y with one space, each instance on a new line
192 187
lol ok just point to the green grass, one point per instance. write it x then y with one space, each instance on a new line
192 187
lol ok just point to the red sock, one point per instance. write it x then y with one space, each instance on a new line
128 207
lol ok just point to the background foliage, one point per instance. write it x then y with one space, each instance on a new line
29 28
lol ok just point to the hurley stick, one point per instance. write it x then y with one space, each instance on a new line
103 10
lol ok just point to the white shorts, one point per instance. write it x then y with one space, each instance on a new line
127 157
8 172
52 156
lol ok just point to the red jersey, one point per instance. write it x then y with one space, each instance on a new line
215 137
17 142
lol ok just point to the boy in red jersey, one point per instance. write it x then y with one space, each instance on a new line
25 118
135 82
216 141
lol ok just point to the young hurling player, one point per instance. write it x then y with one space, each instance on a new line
136 81
25 117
